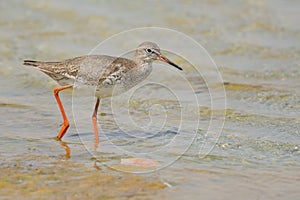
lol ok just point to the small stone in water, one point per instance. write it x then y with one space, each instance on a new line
139 162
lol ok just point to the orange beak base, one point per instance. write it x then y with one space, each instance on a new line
166 60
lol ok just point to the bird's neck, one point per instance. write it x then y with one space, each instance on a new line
138 74
140 60
144 69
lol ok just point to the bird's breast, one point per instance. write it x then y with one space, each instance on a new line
123 81
136 75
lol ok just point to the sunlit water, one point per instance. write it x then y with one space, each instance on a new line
255 45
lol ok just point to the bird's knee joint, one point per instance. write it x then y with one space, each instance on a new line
94 118
55 91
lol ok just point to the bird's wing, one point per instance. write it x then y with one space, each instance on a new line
89 69
115 71
103 69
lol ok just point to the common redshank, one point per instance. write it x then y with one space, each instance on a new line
109 75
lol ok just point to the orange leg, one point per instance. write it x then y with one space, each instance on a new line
94 120
65 124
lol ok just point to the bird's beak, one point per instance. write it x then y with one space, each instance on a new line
166 60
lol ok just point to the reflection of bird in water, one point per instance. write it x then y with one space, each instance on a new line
67 148
110 75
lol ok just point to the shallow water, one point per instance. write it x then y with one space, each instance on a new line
256 48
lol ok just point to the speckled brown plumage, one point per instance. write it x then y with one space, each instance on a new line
91 69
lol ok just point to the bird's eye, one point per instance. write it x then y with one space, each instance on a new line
149 50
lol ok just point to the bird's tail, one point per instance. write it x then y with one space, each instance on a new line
32 63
